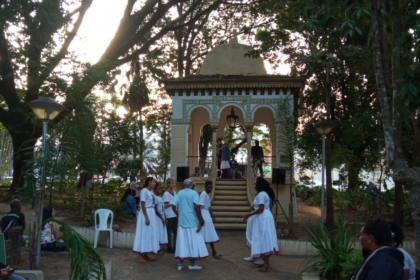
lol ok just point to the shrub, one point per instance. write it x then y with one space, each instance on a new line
333 247
351 261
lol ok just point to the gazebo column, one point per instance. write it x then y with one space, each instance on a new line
179 147
214 155
250 181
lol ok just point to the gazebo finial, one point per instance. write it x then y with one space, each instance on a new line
234 39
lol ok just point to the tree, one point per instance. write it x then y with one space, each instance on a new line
395 59
331 54
31 57
287 125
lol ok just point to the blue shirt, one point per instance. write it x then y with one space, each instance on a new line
409 264
131 204
185 201
159 204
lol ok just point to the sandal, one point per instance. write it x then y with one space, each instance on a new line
262 269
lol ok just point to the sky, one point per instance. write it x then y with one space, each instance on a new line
99 26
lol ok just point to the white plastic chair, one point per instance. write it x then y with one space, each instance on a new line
103 225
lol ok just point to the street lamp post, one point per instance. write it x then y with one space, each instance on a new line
46 109
324 128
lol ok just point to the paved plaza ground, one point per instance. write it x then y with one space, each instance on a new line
232 266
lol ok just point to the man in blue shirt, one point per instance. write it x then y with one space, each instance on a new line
190 242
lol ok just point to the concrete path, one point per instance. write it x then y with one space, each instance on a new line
232 247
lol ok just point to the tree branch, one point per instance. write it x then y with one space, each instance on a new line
8 89
63 51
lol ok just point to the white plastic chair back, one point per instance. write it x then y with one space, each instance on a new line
103 215
103 219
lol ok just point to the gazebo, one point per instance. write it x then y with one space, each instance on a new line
228 80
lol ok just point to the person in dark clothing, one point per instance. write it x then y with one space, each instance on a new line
233 166
380 260
257 154
13 218
7 273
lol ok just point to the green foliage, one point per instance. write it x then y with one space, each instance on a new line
85 261
89 220
333 248
349 265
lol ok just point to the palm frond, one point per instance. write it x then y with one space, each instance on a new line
86 263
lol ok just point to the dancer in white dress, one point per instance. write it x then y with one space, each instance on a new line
209 232
190 242
160 218
172 224
261 232
146 239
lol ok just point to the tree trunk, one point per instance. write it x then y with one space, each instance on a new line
399 204
353 175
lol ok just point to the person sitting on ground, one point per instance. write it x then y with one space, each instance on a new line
51 232
128 198
13 218
380 260
398 237
257 154
7 273
233 166
134 186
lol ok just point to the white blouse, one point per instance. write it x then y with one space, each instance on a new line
147 197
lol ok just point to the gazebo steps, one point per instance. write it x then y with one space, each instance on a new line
221 192
223 220
230 226
230 214
230 203
231 197
230 187
231 208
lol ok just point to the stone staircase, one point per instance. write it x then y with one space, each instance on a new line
230 204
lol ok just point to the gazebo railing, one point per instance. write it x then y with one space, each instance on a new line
203 167
200 167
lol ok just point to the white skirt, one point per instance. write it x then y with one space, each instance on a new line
162 233
208 230
225 164
261 234
146 239
190 244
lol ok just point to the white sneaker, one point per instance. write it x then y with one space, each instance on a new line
180 267
249 259
194 267
259 262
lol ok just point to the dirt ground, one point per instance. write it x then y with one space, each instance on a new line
56 266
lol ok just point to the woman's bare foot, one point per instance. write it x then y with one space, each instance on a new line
149 259
216 255
141 260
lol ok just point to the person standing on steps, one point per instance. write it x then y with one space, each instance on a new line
172 225
189 241
209 232
257 154
225 158
233 166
